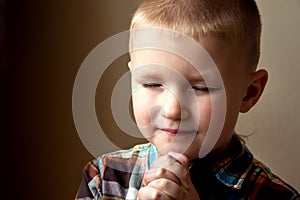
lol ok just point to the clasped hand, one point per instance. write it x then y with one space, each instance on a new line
168 179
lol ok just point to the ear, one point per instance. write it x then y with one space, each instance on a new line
255 89
129 65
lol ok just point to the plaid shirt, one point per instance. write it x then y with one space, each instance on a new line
235 175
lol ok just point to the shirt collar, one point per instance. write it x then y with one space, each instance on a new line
232 167
233 171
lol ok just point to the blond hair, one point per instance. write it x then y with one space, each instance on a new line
236 20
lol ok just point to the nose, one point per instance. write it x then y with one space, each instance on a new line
173 106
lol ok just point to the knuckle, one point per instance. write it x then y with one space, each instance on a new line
163 184
170 161
156 195
184 159
161 172
180 158
170 158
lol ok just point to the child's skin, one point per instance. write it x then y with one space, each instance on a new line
169 177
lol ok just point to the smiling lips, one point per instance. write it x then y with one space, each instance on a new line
174 132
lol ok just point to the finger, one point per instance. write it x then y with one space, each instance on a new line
169 188
180 158
169 162
185 175
169 167
151 193
170 158
157 173
166 167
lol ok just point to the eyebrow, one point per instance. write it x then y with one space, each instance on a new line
147 75
155 77
195 77
150 73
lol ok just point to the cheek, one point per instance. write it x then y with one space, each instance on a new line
204 109
233 110
141 109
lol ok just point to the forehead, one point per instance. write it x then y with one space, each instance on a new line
158 62
193 50
156 56
208 53
169 41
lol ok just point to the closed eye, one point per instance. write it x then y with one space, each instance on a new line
151 85
204 89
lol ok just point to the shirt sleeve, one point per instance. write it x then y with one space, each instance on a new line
91 184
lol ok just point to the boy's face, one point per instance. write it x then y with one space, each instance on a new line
172 114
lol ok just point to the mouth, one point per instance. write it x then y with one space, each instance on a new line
174 132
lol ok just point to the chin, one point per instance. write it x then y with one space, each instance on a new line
189 152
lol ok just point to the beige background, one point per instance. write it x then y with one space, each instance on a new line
274 122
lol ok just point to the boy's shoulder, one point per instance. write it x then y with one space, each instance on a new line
264 182
120 157
115 174
240 171
124 160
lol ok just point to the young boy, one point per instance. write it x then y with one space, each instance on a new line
175 102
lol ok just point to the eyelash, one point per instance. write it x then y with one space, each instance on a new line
157 85
151 85
203 89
